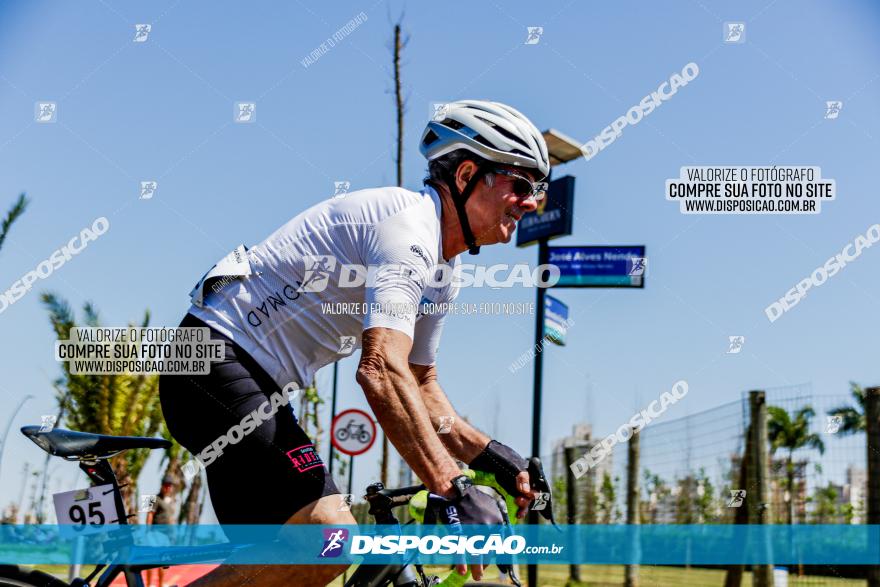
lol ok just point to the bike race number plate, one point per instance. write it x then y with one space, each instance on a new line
86 510
353 432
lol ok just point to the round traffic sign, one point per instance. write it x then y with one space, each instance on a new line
353 432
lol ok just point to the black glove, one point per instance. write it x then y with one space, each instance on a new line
470 506
504 462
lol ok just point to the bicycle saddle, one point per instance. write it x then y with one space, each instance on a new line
71 444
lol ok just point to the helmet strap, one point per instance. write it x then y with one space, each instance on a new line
460 199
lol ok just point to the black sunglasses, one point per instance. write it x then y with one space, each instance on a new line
523 187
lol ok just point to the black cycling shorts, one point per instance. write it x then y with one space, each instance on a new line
271 473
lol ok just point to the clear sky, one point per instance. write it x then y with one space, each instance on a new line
163 110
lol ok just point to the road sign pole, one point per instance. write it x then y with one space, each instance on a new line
350 473
543 256
333 412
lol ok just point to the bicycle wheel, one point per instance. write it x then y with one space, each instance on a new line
342 435
15 576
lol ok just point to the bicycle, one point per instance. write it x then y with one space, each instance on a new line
383 501
93 452
353 430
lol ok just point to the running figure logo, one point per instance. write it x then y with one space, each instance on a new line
141 32
541 501
832 425
345 501
446 423
148 503
245 112
736 344
46 112
317 272
534 35
639 264
148 189
340 188
47 423
737 497
439 110
333 542
734 32
346 345
832 109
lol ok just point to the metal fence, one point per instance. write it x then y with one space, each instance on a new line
691 471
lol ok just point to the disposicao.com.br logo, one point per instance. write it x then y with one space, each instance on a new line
452 544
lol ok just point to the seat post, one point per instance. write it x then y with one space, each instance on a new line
101 473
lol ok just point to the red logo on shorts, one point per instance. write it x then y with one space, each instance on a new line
305 457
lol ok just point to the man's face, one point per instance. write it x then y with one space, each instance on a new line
493 211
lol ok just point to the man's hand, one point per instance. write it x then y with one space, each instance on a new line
510 471
468 505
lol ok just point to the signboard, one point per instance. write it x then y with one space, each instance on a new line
601 266
555 320
353 432
87 510
552 218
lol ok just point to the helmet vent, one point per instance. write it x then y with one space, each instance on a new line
430 137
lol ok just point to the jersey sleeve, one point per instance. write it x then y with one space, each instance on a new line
398 257
427 339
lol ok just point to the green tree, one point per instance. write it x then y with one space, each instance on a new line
825 506
608 500
705 497
17 210
783 431
310 403
657 492
124 405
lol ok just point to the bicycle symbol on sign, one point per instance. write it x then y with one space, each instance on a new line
352 430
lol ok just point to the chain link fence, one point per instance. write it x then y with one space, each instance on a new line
691 471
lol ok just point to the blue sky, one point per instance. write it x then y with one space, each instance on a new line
162 110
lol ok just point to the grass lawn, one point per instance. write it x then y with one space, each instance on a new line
603 576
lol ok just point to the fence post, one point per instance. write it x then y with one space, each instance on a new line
574 571
872 431
741 516
631 578
759 483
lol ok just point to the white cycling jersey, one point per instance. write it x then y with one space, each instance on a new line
285 300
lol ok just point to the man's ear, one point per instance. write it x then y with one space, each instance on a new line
464 173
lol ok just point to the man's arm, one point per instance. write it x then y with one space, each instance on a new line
394 395
463 441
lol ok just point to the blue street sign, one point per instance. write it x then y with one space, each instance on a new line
553 216
555 320
600 266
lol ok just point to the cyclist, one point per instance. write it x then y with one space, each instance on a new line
271 312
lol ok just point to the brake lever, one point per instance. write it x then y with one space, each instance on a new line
510 571
538 481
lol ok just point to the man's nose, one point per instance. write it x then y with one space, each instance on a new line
528 204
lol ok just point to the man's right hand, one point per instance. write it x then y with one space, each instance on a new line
470 505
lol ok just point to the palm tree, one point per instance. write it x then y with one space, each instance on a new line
852 418
17 210
123 404
783 431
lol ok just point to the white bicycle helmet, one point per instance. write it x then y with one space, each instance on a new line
492 130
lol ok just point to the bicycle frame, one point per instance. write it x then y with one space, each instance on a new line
101 473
